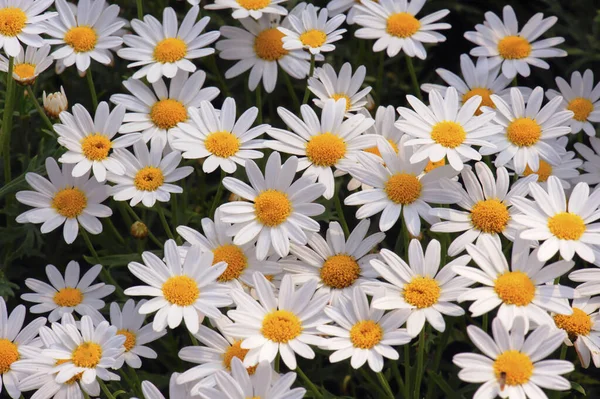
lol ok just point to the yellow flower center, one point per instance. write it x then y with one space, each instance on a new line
130 339
514 48
69 202
269 46
253 4
434 165
567 226
281 326
375 150
366 334
313 38
222 144
523 132
340 271
12 21
543 172
96 147
490 216
579 323
75 378
170 50
167 113
514 367
272 207
582 107
181 290
149 178
402 24
515 288
81 38
403 188
68 297
486 99
24 71
448 134
236 350
325 149
422 292
234 257
8 355
87 355
339 96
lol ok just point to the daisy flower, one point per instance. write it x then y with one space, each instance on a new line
64 199
249 8
286 324
447 129
581 97
420 287
219 137
156 112
148 175
511 365
89 33
312 31
336 264
28 64
176 391
55 103
399 186
274 210
514 49
565 226
22 22
336 7
362 332
527 133
15 341
89 142
182 289
590 279
524 289
591 165
487 204
163 49
68 294
323 143
395 26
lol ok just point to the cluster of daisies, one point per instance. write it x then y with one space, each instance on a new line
268 277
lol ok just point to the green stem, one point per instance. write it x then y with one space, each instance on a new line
413 77
193 339
442 343
259 103
140 10
90 81
310 74
406 350
163 220
379 83
218 196
367 376
115 232
385 384
484 323
563 356
106 276
276 362
397 376
105 389
515 82
40 110
420 361
291 91
340 212
212 65
312 387
85 395
9 106
129 209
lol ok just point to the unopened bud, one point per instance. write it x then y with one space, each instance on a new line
370 102
55 103
139 230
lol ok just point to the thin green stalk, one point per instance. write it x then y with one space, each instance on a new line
367 376
312 387
114 230
40 110
105 389
515 82
212 65
563 356
379 83
104 273
339 209
140 10
218 195
310 74
406 350
194 340
291 91
129 209
484 323
163 220
90 81
420 361
276 362
442 343
413 77
259 103
9 106
397 376
85 395
385 384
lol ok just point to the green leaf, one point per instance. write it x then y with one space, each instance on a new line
440 382
576 387
115 260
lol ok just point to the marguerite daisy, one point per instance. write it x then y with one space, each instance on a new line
343 7
590 279
176 391
28 64
249 8
22 22
591 166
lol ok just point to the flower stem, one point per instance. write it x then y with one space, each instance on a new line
420 361
194 339
212 65
106 276
218 195
442 343
406 350
115 232
163 220
379 83
105 389
137 218
40 110
563 356
385 384
90 80
340 212
484 323
259 103
140 10
291 91
310 74
9 106
413 77
312 387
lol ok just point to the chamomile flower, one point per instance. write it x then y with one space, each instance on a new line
313 30
394 25
149 176
64 199
511 365
590 279
514 49
523 289
28 64
182 289
399 188
591 165
89 33
249 8
22 22
421 287
156 112
363 333
89 142
343 7
487 204
176 391
324 143
581 97
527 131
274 211
446 129
217 136
69 294
163 49
335 263
565 226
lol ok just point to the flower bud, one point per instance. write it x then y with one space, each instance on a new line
139 230
55 103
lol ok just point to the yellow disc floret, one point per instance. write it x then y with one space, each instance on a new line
8 355
581 107
68 297
514 367
484 93
567 226
490 216
543 172
130 339
403 188
434 165
422 292
81 38
579 323
272 207
375 150
313 38
69 202
515 288
339 96
24 70
523 132
325 149
402 25
234 257
281 326
366 334
87 355
149 178
12 21
170 50
236 350
448 134
340 271
514 48
181 290
268 45
254 4
167 113
96 147
222 144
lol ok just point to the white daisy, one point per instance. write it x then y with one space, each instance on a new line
394 25
421 286
591 165
155 113
21 21
182 289
581 97
363 333
148 175
343 7
89 142
176 391
28 64
590 279
64 199
163 49
249 8
511 365
565 226
89 33
286 325
68 294
323 143
219 137
274 211
525 289
447 129
514 49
